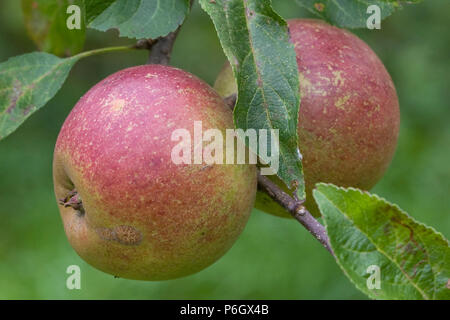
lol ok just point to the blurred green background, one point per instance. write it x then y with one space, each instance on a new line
274 258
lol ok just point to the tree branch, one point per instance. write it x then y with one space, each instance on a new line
162 48
293 206
296 209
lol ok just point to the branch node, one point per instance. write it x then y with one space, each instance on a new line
300 209
296 209
146 44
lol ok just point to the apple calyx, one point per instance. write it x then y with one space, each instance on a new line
73 200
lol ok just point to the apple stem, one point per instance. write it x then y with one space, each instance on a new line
74 201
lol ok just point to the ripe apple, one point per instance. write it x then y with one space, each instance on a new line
127 209
349 114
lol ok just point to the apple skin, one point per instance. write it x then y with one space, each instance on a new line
349 113
145 217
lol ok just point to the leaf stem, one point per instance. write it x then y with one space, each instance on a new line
104 50
160 49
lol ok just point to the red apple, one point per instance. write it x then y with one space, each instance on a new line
349 115
134 213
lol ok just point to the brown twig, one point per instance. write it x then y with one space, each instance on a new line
293 206
161 48
296 209
146 44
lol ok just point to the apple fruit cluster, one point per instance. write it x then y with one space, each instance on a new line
130 211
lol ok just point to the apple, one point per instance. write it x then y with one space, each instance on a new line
349 114
127 209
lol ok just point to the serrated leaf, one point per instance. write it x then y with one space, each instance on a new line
94 8
366 230
137 19
27 82
349 13
256 41
45 21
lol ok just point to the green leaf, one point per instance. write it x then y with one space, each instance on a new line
137 18
366 230
45 22
27 82
349 13
95 7
256 41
